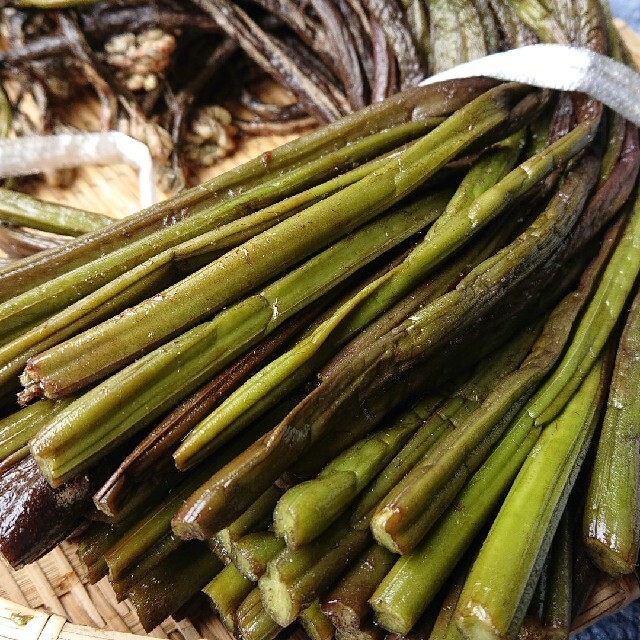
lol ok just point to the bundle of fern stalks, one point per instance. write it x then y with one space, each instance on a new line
380 380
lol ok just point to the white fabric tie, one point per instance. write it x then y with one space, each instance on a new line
36 154
556 66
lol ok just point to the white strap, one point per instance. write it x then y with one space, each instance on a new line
555 66
35 154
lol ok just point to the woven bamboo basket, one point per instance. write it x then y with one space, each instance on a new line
51 599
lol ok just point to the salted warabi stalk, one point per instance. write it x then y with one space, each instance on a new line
266 169
422 417
204 248
253 622
427 514
97 538
611 516
302 376
496 594
173 582
150 530
34 518
238 271
614 192
446 278
231 587
186 238
251 553
256 517
265 387
550 25
596 325
296 577
617 129
231 497
227 591
159 380
360 424
192 519
433 423
146 541
346 604
328 448
315 623
14 458
370 302
238 495
391 229
113 298
531 625
153 558
444 627
92 543
557 615
395 352
155 526
18 242
451 416
148 494
24 211
206 435
510 25
143 542
604 203
616 124
18 428
414 581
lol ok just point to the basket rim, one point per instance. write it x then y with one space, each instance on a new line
18 622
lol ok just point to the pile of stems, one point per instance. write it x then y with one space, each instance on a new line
342 385
199 349
280 452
